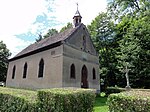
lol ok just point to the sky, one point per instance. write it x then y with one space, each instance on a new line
22 20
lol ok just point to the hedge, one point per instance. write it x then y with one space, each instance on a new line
110 90
46 100
66 100
133 101
17 100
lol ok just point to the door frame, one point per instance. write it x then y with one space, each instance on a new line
84 77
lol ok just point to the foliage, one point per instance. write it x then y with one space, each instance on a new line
17 100
69 25
54 100
50 33
4 54
134 50
101 31
121 37
111 90
120 8
66 100
133 101
39 38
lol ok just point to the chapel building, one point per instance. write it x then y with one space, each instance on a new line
67 59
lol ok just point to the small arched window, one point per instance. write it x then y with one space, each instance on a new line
41 68
84 43
94 74
25 70
14 72
76 20
72 71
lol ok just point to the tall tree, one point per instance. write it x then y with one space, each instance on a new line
119 8
132 32
4 54
69 25
134 51
50 33
101 31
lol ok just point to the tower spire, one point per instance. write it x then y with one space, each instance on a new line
77 5
77 17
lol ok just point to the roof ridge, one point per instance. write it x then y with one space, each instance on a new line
46 42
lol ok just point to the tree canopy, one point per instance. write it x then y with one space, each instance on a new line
53 31
122 38
4 54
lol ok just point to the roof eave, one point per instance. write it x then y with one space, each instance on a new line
37 51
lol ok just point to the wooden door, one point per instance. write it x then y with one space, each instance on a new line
84 76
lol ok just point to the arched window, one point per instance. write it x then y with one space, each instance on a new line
84 43
14 71
94 74
25 70
41 68
72 71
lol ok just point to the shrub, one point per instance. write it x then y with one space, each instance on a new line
48 100
15 100
66 100
110 90
133 101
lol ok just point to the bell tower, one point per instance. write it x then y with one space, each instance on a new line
77 18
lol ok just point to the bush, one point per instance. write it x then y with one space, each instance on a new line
15 100
48 100
133 101
110 90
66 100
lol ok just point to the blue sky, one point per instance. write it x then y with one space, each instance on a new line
22 20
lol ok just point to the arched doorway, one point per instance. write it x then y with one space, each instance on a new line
84 76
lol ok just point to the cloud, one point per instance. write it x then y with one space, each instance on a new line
22 20
14 44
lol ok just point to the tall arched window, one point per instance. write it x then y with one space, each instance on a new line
41 68
72 71
84 43
14 71
94 74
25 70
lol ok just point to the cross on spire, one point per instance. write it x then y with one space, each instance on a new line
77 17
77 5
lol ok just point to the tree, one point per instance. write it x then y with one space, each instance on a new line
69 25
39 38
4 54
101 31
120 8
134 51
132 34
50 33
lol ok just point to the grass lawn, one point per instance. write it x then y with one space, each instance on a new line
100 104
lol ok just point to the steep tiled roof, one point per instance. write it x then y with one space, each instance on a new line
47 42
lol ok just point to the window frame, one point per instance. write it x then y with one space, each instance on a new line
25 70
94 74
41 68
72 71
14 72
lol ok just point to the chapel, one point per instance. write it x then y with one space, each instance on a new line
67 59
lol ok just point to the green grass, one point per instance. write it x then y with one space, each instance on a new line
100 104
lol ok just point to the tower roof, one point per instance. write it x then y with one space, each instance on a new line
77 14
